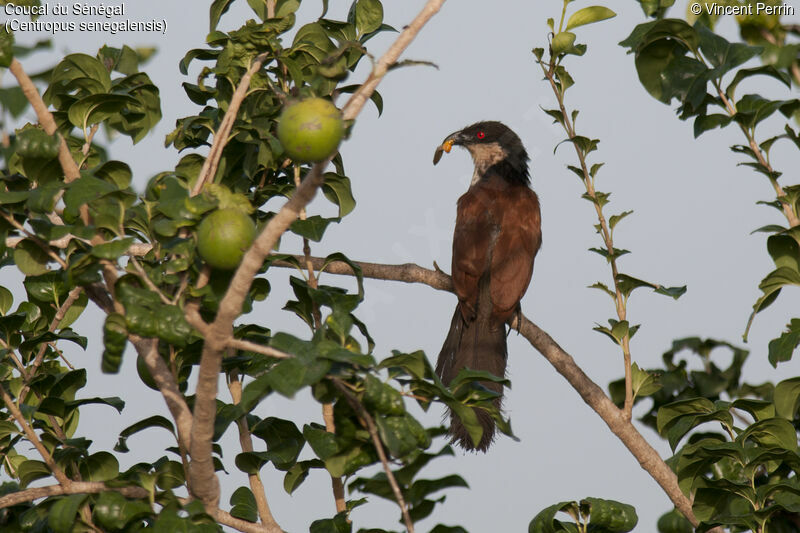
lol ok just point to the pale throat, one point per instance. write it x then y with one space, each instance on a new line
484 156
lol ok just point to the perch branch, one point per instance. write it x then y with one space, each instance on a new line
564 364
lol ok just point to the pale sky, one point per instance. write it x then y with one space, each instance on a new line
694 211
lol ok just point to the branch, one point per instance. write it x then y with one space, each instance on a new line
165 381
564 364
221 136
373 432
203 481
76 487
73 296
606 233
95 487
68 165
246 442
31 435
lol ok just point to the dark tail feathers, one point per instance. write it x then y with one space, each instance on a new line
478 345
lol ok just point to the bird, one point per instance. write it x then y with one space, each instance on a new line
496 238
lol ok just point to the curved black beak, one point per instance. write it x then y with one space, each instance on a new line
447 144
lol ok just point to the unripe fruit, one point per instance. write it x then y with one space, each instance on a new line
224 236
310 130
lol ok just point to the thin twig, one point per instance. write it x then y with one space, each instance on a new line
38 241
211 163
376 440
246 442
606 233
248 346
563 363
26 428
72 297
203 480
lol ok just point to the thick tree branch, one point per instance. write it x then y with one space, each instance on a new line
564 364
165 381
75 487
203 481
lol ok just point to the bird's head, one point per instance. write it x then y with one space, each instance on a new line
492 145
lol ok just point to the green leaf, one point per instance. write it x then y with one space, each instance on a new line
723 55
643 382
787 398
337 189
369 16
96 108
704 122
562 42
218 8
545 522
313 228
674 522
615 219
62 515
30 471
113 511
589 15
770 287
113 249
6 300
30 258
765 70
771 432
101 466
6 47
150 422
782 348
244 505
284 441
609 515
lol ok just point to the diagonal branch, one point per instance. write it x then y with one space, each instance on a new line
31 436
376 441
73 296
45 117
203 481
564 364
165 381
221 136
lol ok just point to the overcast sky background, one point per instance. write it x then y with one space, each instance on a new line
694 211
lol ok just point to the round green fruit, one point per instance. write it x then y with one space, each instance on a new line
310 130
224 236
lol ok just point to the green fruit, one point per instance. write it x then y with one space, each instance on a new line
224 236
310 130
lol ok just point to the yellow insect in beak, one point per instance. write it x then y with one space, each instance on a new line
444 147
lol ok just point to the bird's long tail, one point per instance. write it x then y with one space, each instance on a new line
478 345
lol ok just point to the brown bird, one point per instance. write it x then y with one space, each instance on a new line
497 235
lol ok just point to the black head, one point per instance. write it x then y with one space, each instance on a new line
494 144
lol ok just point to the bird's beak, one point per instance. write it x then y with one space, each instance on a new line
446 146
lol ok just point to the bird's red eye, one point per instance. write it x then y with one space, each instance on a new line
481 135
